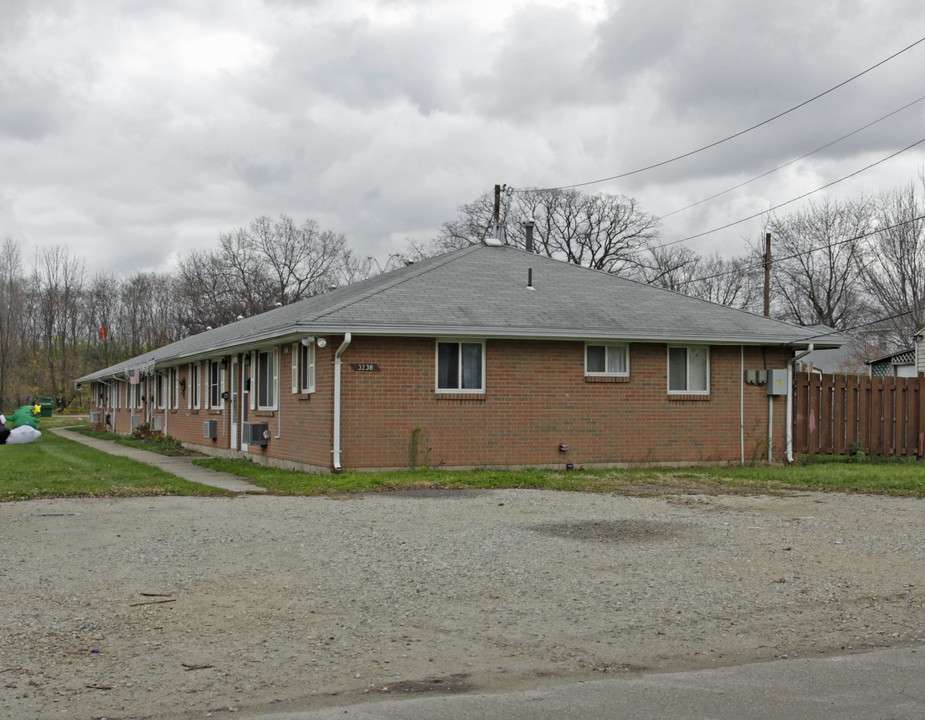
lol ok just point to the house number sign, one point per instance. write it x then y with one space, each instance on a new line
365 367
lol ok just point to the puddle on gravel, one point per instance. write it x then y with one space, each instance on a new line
458 683
609 530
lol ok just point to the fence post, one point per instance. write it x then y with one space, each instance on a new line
840 440
920 415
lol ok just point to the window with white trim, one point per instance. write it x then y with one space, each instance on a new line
607 360
215 384
174 384
267 379
303 367
460 366
160 391
689 370
194 385
307 362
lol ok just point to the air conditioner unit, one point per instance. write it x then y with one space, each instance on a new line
210 429
136 421
95 417
157 423
256 433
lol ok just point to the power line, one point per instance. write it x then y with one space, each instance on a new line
791 162
788 202
856 327
741 132
792 256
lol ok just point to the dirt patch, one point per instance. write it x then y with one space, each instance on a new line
611 530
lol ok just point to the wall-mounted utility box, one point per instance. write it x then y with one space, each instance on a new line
756 377
777 382
210 429
256 433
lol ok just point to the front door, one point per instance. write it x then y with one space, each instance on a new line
234 403
245 395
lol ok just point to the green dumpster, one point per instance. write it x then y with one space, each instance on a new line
46 404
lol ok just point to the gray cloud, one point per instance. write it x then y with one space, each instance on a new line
134 132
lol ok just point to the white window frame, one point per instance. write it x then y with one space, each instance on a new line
174 385
608 371
687 365
160 391
267 378
214 384
459 372
307 368
194 386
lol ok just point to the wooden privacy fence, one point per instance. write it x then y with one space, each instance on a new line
841 414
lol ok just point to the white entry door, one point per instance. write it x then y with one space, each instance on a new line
245 395
234 403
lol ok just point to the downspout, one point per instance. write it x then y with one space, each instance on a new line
770 428
165 392
742 402
279 392
340 351
790 363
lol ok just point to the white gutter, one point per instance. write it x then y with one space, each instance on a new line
790 363
340 351
742 403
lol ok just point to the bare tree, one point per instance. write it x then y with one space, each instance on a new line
266 264
474 222
672 267
11 309
602 231
732 282
819 260
101 307
895 275
57 285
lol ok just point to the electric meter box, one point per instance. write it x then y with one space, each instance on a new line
777 382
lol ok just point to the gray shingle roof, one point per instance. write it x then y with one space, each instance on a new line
481 291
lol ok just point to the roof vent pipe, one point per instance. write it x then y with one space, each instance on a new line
528 225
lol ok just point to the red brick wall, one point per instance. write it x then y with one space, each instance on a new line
537 397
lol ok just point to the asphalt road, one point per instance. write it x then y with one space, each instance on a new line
882 684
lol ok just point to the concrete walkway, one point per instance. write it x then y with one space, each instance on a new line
182 467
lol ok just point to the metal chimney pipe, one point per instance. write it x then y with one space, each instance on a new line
528 225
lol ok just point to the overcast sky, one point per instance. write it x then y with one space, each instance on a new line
134 131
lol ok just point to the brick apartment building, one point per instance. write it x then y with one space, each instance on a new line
484 357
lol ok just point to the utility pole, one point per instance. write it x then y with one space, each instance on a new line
497 213
767 275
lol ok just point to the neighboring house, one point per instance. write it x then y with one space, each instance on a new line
897 364
487 356
919 340
847 359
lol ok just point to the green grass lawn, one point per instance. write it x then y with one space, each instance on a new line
867 477
54 467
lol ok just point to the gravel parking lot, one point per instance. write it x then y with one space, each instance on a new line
195 607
